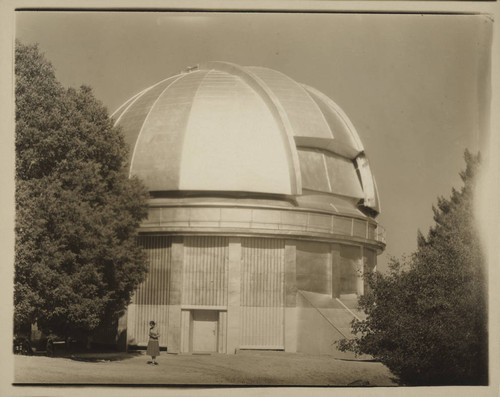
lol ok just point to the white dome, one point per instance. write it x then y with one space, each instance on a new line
220 127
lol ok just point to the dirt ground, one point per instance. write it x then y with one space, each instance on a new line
245 368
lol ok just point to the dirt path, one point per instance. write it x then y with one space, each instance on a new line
245 368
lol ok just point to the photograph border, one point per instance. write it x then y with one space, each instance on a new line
490 221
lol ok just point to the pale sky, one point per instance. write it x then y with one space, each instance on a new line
414 86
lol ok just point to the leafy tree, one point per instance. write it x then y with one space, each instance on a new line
427 318
77 212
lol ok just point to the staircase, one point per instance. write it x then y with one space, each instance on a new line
328 319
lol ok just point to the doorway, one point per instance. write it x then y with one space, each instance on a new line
204 331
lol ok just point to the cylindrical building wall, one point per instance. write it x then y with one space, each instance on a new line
323 283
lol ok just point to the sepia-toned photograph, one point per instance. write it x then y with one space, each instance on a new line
250 199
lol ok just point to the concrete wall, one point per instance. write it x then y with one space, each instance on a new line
350 263
314 269
321 322
369 264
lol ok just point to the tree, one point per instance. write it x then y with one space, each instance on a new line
77 212
427 318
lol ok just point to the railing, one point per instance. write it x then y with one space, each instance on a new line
272 220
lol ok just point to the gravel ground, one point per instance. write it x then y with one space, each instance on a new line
245 368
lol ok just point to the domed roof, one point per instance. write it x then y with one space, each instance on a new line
220 127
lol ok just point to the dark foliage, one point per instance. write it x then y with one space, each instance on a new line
76 257
427 318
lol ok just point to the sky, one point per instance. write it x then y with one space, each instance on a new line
416 87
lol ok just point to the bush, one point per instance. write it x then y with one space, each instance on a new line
427 318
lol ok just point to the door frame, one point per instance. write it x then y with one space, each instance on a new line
187 319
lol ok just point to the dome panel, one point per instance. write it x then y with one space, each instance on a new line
313 170
224 145
329 202
344 135
162 134
325 172
343 177
305 117
371 199
132 119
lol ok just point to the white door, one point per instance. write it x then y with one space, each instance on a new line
205 324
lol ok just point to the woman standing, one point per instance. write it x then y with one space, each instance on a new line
153 345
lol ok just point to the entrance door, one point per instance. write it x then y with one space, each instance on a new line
205 324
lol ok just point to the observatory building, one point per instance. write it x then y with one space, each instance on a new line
261 217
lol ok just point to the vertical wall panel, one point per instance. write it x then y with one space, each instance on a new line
205 271
369 264
262 293
185 326
155 289
336 270
152 296
350 256
222 332
314 270
233 323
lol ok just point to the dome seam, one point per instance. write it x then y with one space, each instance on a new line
137 96
127 104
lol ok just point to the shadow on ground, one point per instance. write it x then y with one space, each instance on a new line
100 357
94 355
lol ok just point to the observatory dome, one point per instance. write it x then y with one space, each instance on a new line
220 127
261 217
